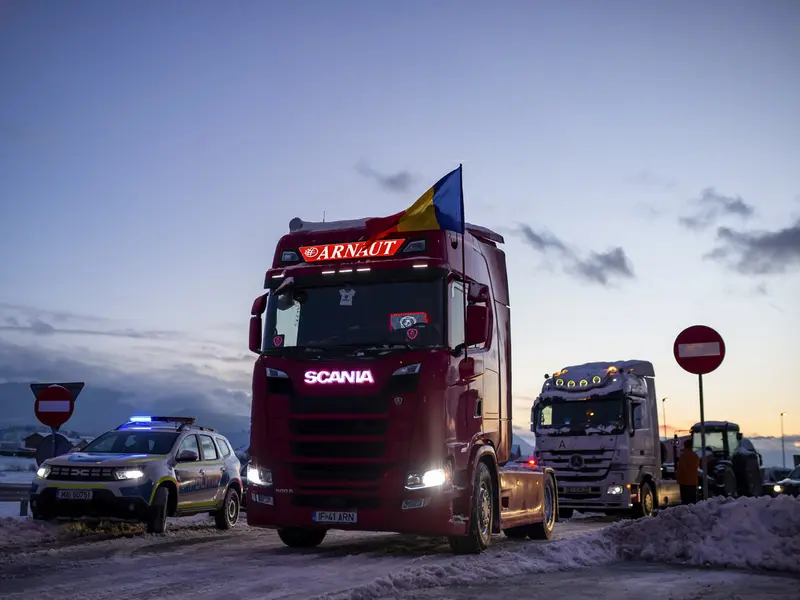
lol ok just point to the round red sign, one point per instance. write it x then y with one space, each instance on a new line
699 349
54 406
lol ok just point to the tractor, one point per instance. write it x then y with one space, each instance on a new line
734 464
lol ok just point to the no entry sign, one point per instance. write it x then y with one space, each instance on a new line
699 349
55 402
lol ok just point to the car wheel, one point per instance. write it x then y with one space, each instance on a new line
481 516
157 520
228 514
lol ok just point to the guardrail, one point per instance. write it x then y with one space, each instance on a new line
16 492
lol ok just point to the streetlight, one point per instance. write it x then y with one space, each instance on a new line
664 412
783 444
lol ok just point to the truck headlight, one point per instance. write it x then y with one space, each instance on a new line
128 474
259 476
777 488
615 490
430 479
43 472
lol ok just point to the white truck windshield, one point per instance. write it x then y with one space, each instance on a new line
557 416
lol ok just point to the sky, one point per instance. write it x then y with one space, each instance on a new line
639 158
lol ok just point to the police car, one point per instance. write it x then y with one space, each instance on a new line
145 470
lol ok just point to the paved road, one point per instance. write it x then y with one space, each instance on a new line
627 581
201 562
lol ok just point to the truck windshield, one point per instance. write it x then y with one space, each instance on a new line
375 314
557 416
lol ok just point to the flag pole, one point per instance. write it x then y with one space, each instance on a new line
463 254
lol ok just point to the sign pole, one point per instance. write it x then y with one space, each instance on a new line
704 454
53 431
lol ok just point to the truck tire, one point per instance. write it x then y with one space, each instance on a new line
480 518
228 514
544 530
301 537
646 504
565 513
157 519
729 486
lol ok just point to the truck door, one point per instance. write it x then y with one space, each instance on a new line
643 451
465 398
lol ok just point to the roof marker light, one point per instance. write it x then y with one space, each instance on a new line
363 269
345 270
559 382
328 272
584 383
141 419
596 379
420 266
279 276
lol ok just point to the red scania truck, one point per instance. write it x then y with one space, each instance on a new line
382 397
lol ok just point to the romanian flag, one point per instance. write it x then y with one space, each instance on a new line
440 208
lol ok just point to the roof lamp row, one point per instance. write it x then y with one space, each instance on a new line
596 380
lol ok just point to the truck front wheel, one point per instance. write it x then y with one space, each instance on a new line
646 504
481 516
301 537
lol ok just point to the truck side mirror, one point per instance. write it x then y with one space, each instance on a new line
256 323
477 325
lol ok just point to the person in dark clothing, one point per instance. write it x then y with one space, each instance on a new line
686 473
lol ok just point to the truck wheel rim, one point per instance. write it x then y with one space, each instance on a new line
485 509
549 513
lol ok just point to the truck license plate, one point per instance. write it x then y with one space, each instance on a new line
74 494
326 516
575 490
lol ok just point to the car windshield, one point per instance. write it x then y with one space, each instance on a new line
133 442
407 313
578 417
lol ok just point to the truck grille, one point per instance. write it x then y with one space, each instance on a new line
339 427
331 502
81 474
339 473
338 449
337 405
578 465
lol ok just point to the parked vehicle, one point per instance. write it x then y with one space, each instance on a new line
789 485
596 425
735 465
382 391
145 470
770 476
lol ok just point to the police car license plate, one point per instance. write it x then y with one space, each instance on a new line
326 516
74 494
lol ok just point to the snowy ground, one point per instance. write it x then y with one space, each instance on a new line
586 558
16 470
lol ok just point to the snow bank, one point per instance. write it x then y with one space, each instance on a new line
19 531
585 551
749 533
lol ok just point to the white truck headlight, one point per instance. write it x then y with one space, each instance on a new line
128 474
615 490
430 479
259 476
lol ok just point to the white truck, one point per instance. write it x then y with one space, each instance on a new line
597 426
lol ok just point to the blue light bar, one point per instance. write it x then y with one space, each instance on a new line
141 419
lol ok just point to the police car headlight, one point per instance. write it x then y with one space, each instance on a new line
128 474
259 476
43 472
777 488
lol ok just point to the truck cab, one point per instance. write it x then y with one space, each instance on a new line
381 391
596 425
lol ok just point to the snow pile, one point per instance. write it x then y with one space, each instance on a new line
749 533
16 532
581 551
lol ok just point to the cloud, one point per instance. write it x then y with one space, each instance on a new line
37 321
712 206
596 267
648 179
758 252
400 181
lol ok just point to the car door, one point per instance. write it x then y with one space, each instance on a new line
188 473
211 470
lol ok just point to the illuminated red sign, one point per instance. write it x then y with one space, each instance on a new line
377 249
